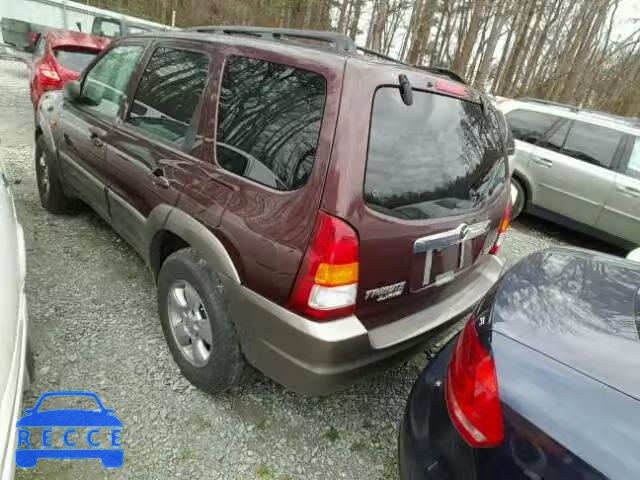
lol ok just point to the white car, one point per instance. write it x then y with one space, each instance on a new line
14 349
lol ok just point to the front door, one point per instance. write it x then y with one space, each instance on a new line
154 152
621 214
573 177
86 122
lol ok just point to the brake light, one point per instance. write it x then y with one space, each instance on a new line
505 223
327 282
48 76
471 391
451 88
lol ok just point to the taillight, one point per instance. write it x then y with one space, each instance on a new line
472 393
327 282
48 76
505 223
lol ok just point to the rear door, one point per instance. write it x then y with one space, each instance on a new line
573 177
621 213
155 151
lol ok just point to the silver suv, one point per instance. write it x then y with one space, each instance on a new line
577 168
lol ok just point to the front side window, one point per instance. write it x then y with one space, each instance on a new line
269 114
592 143
167 103
104 87
529 126
438 157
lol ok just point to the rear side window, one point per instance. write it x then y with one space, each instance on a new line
633 167
438 157
270 115
168 100
529 126
592 143
73 58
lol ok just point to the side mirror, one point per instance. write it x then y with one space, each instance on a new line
72 90
79 25
634 255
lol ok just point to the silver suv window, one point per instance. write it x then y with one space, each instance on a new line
529 126
633 167
592 143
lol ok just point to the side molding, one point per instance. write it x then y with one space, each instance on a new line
172 219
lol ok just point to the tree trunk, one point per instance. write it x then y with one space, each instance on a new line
462 58
423 28
580 61
526 59
518 48
355 19
342 18
487 57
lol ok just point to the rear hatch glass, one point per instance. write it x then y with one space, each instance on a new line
435 190
75 59
440 156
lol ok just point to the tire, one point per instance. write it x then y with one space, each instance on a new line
50 189
225 365
520 198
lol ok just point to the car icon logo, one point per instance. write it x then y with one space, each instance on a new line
68 425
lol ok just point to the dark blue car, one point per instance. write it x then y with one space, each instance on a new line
27 457
543 382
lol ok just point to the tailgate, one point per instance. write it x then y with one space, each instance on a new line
429 203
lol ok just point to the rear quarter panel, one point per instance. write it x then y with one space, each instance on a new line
267 231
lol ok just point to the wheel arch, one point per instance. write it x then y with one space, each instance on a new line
170 229
526 185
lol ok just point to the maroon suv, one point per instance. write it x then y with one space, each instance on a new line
303 208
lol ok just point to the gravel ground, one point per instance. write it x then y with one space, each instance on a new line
95 327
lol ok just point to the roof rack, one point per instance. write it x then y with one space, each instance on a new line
337 41
549 102
382 56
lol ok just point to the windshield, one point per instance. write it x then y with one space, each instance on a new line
74 58
438 157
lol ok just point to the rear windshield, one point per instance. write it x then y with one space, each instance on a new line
73 58
438 157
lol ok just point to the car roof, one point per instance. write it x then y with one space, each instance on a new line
624 124
59 38
314 51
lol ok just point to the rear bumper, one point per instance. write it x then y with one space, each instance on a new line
317 358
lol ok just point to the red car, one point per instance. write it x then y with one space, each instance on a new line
60 56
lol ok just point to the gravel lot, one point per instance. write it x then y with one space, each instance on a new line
95 327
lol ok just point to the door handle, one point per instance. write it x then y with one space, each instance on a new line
66 139
545 162
158 178
96 137
632 192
